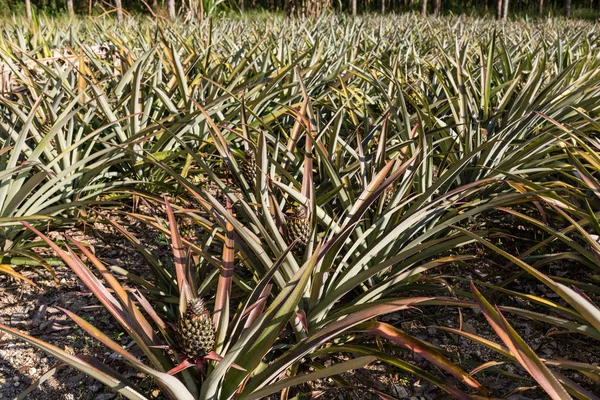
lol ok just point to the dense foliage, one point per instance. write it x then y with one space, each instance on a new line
583 8
401 143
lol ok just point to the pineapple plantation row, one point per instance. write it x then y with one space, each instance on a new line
315 181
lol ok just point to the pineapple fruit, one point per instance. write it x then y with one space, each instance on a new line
298 227
388 195
248 167
196 330
45 127
409 98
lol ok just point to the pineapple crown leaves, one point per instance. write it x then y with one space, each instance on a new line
242 154
198 303
248 155
195 306
298 211
182 303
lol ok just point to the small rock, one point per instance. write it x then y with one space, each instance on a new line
104 396
95 387
401 392
39 315
469 328
32 371
74 380
17 384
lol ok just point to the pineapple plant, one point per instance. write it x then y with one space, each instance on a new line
359 247
196 330
297 228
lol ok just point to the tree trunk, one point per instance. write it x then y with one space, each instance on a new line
505 10
541 7
499 10
568 8
119 7
70 8
171 9
354 8
423 8
28 9
382 6
437 7
242 6
155 5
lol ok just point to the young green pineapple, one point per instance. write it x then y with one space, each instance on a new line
298 227
196 330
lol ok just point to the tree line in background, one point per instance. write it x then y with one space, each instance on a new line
202 8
